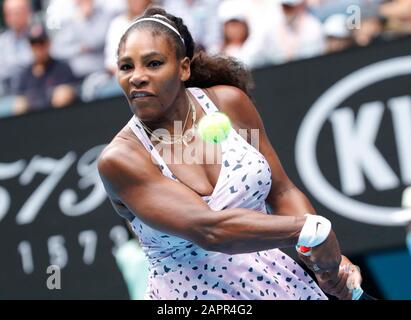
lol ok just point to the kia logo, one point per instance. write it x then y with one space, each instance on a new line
358 158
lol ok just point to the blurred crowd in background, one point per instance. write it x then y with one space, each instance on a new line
56 52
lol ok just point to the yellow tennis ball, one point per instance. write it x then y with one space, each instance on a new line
214 127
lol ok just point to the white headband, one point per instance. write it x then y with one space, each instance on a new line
159 21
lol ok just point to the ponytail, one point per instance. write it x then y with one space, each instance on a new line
208 71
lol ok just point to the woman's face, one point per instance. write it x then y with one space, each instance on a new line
150 74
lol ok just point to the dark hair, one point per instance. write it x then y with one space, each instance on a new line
206 70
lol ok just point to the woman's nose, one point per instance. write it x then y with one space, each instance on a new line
138 78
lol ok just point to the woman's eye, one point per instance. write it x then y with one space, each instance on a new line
125 67
155 64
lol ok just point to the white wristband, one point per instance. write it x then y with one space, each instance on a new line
315 231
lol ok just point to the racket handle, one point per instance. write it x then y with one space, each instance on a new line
359 294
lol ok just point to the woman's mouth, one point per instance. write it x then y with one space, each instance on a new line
140 94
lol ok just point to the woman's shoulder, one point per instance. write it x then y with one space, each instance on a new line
235 103
226 94
124 155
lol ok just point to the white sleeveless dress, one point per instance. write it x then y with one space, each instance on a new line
180 269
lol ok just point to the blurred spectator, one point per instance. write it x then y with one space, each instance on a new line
398 15
299 35
278 31
257 32
47 82
260 14
370 31
15 52
58 12
103 84
116 29
200 18
339 37
81 39
254 19
236 32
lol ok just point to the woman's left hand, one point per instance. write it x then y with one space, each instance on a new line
354 279
342 282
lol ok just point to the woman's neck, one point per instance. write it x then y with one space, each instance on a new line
176 112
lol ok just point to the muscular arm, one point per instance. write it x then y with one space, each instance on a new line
285 199
130 177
